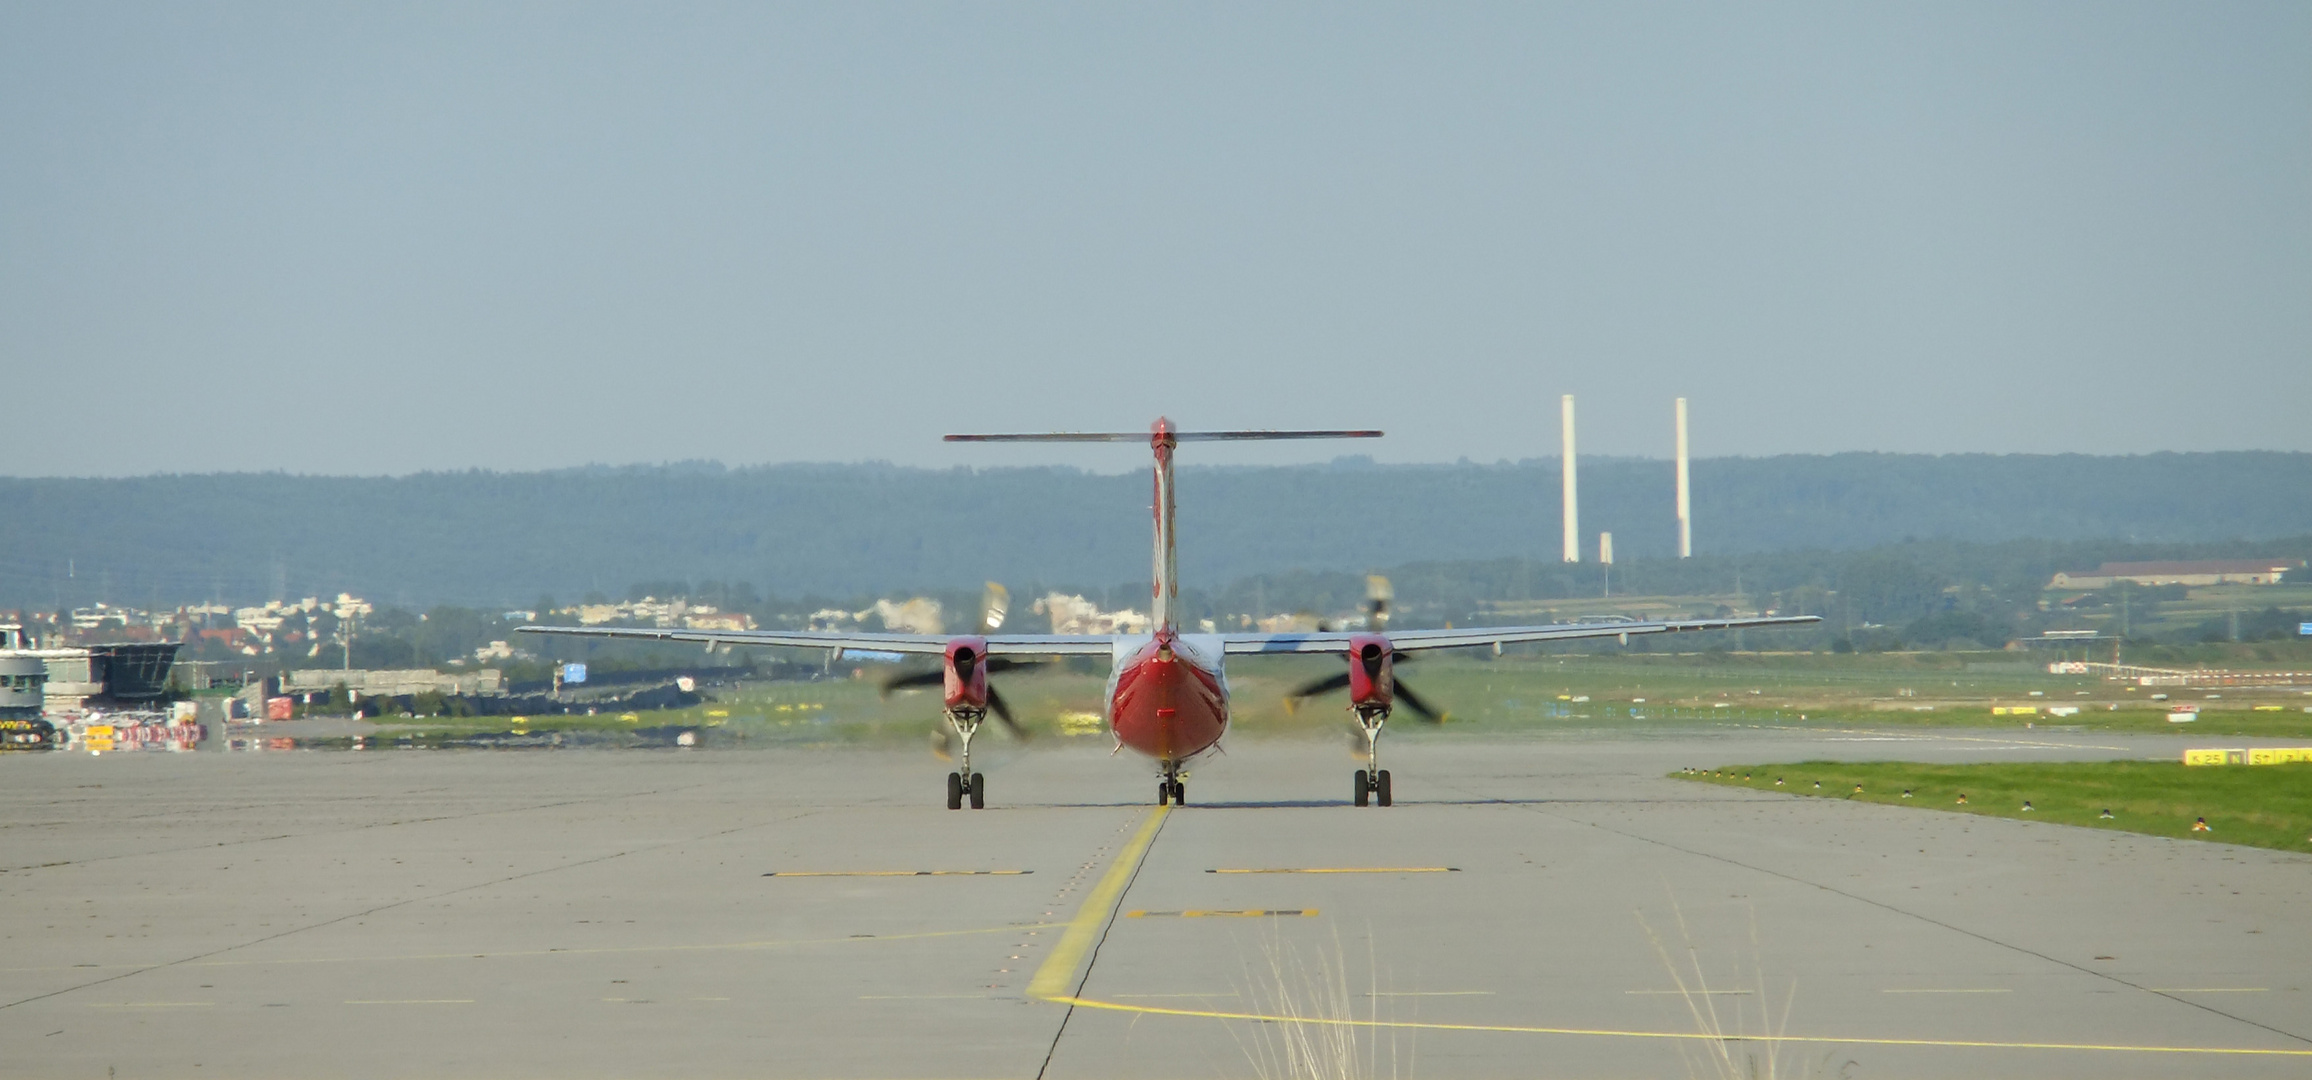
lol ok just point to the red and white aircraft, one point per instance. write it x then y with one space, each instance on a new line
1167 693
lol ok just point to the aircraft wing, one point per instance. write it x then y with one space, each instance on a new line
1412 640
997 644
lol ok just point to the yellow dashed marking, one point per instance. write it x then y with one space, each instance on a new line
1346 870
897 873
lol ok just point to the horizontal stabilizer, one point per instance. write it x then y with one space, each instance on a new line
1177 436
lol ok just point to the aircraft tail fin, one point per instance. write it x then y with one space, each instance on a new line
1162 437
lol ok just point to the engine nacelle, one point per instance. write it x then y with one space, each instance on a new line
1372 676
965 679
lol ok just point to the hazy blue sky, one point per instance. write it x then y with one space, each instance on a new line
384 238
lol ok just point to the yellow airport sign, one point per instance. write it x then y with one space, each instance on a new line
2262 755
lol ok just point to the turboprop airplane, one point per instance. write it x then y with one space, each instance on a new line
1167 694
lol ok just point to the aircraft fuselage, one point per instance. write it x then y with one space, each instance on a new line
1168 695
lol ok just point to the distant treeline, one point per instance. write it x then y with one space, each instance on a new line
484 538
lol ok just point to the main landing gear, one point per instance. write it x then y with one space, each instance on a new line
965 783
1372 780
1173 787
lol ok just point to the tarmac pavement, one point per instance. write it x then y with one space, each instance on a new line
1528 908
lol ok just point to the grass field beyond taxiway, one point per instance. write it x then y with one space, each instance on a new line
2261 805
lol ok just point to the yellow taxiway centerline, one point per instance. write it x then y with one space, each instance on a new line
1050 982
1519 1029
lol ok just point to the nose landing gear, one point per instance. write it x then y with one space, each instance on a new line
1173 787
1372 785
965 783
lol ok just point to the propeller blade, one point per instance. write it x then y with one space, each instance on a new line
1420 708
1003 712
994 604
913 679
943 743
1378 593
1326 685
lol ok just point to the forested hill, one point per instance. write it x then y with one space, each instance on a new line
849 530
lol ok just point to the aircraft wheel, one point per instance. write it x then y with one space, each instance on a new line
979 791
954 791
1180 793
1364 787
1163 792
1381 788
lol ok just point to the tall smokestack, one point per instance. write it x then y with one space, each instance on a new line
1685 491
1572 504
1606 559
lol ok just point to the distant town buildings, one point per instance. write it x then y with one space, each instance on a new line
499 651
916 615
1072 614
666 614
2204 572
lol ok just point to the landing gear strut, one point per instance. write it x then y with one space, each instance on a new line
965 783
1372 780
1173 787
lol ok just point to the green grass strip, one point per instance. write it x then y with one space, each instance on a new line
2267 806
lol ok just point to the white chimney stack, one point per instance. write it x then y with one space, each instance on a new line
1606 560
1572 513
1685 491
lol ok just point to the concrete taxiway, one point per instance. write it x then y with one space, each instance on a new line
1544 907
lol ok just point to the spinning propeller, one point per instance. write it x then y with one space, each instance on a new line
995 603
1374 662
963 661
1375 659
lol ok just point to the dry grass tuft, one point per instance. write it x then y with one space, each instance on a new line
1315 1032
1745 1037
